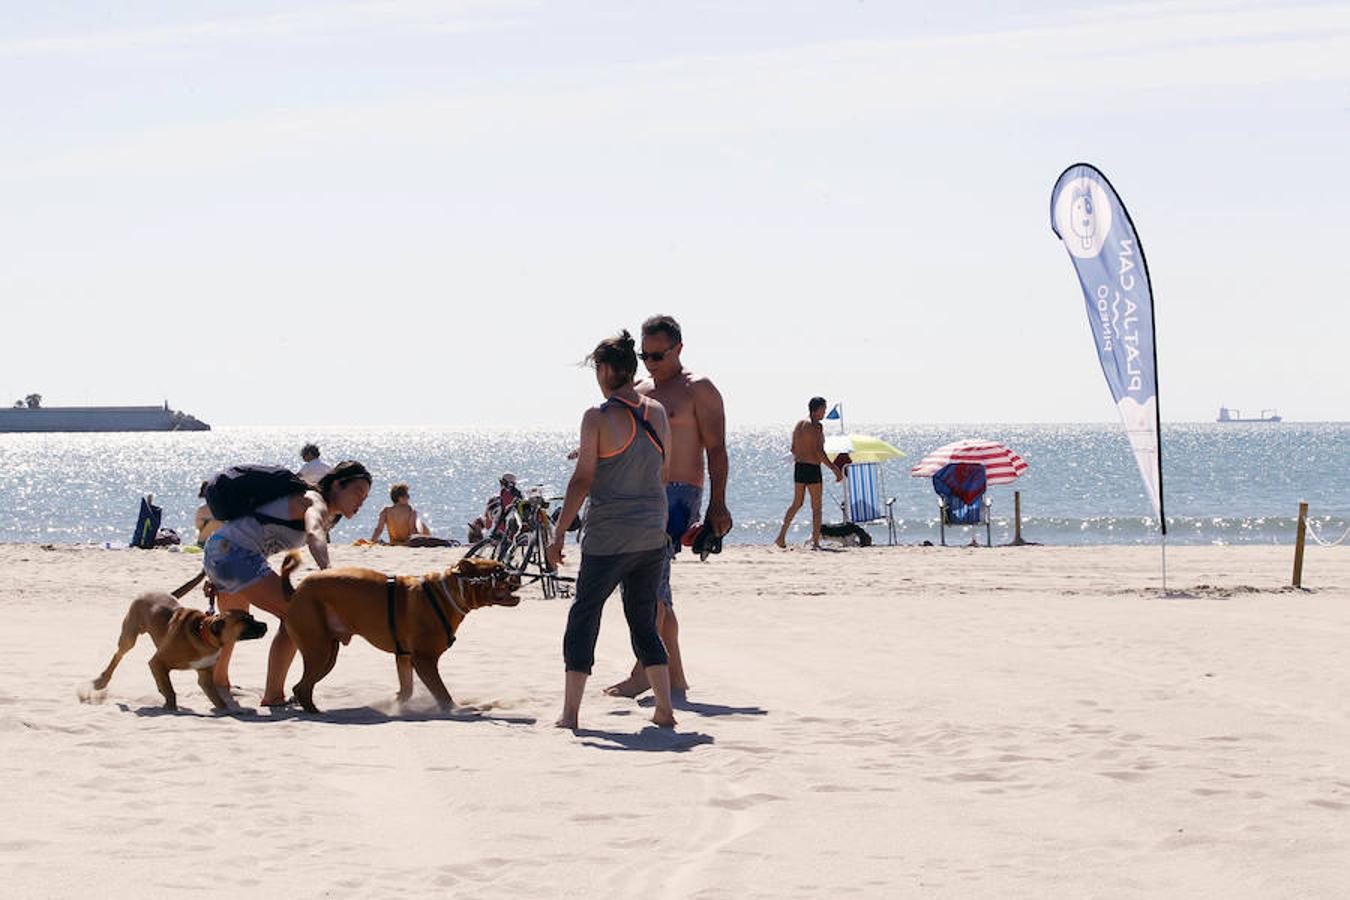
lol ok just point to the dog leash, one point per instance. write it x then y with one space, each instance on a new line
390 584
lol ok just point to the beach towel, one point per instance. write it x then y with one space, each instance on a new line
963 485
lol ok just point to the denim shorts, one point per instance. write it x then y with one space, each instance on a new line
232 568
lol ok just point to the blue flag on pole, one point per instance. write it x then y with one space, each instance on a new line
833 413
1089 217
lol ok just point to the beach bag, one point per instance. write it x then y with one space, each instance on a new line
240 490
167 537
147 524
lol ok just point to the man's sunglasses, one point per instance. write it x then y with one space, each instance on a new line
653 357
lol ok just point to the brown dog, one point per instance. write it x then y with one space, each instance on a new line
413 618
185 638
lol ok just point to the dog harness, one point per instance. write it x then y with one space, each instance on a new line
427 585
390 584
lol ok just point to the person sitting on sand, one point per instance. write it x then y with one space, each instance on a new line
206 523
808 453
313 468
621 465
406 526
235 559
493 519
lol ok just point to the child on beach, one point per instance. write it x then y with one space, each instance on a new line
621 466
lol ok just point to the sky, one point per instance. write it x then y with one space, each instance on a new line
427 213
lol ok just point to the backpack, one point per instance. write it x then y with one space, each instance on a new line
240 490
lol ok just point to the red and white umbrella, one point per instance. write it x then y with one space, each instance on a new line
1001 465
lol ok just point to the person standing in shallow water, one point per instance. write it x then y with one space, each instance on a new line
621 466
697 430
808 455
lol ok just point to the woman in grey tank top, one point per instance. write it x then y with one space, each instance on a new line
620 465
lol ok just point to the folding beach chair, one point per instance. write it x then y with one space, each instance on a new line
961 498
863 488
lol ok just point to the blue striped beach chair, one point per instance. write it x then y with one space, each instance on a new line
863 504
962 499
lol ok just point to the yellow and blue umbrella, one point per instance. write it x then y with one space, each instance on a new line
861 448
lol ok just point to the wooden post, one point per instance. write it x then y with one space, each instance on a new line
1298 542
1017 519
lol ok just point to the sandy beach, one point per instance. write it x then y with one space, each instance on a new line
891 722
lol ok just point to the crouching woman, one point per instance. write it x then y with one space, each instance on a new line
235 559
621 465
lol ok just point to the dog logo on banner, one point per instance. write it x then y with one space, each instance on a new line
1084 211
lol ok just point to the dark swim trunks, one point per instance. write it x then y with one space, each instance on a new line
806 473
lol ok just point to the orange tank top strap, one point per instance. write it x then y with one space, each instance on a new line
644 405
632 425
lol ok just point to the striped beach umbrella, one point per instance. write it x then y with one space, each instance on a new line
1001 465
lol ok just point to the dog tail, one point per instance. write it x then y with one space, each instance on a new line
291 563
182 590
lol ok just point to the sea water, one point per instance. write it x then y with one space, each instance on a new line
1237 484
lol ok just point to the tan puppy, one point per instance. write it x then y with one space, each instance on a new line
332 605
185 638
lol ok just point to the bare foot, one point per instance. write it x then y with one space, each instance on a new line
565 722
778 542
275 702
632 686
666 720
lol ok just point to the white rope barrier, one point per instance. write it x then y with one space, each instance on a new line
1312 532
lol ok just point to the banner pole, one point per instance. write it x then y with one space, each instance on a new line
1157 392
1164 564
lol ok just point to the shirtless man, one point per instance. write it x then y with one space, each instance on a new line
808 454
697 430
406 527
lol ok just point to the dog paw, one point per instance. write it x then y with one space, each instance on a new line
90 694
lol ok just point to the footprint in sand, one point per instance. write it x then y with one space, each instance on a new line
1330 804
745 802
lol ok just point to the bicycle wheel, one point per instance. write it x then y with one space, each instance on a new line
488 548
543 533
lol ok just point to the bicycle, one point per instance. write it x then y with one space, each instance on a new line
521 541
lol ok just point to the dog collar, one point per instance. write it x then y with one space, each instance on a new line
204 633
443 589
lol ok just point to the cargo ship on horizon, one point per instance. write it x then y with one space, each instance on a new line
29 415
1228 414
